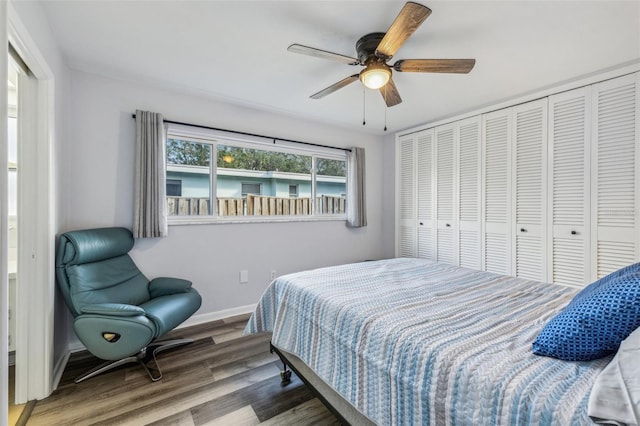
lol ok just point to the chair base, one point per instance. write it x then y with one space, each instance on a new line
144 357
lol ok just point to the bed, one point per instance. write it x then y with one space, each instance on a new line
411 341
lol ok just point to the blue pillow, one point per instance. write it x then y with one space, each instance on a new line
596 324
602 281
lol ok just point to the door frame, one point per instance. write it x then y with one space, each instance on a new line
4 227
36 233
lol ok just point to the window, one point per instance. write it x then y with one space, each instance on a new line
174 187
189 161
250 188
331 186
251 179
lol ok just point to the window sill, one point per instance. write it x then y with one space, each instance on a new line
210 220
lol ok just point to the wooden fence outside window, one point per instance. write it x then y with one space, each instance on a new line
255 205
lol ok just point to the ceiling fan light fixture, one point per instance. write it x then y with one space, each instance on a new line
375 75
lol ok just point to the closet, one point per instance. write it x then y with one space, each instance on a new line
545 190
439 194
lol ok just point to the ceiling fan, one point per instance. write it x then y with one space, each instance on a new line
375 49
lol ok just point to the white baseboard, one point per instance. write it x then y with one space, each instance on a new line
77 346
214 316
58 369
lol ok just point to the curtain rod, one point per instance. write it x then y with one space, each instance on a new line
252 134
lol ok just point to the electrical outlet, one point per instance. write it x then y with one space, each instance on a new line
244 276
273 275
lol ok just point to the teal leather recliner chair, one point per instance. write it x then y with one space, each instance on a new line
118 312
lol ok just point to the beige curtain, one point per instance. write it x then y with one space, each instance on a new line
150 188
356 194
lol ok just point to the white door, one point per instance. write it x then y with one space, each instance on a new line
469 194
614 152
529 195
496 182
425 180
446 234
569 187
406 217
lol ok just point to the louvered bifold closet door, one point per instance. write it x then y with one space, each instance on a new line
569 193
446 233
425 186
405 166
470 200
614 152
496 181
530 200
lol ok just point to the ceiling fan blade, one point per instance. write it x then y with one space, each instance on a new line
461 66
334 87
323 54
407 21
390 94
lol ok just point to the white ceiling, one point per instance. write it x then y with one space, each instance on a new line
236 51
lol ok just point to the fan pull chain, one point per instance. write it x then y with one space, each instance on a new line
385 118
364 93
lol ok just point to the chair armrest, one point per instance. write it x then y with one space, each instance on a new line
113 309
164 286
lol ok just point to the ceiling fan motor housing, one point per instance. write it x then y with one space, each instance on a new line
366 46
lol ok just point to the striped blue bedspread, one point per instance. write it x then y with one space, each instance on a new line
411 341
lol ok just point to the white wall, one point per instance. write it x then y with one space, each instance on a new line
99 192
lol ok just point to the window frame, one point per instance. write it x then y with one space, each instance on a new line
216 137
244 193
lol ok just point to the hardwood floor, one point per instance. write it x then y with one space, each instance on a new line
15 411
223 378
